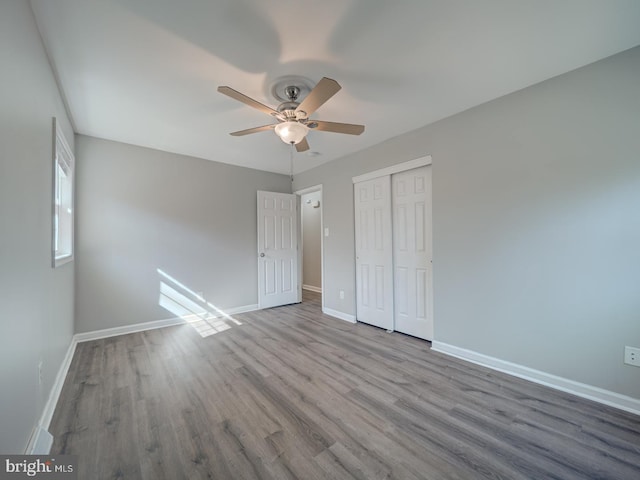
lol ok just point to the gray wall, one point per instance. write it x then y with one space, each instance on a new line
140 210
536 229
36 301
311 240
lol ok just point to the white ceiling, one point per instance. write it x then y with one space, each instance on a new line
145 72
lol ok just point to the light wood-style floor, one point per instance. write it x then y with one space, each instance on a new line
293 394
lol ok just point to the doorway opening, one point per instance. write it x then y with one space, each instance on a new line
311 244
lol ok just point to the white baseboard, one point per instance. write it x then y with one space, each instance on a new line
340 315
125 329
583 390
141 327
311 288
41 440
244 309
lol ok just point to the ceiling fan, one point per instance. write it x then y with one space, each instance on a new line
293 117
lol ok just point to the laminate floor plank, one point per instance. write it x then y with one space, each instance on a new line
359 465
479 438
116 438
157 440
290 393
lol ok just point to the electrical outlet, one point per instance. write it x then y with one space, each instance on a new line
632 356
341 294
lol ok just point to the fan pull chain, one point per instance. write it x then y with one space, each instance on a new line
291 163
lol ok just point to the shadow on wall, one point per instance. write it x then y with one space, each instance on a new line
183 302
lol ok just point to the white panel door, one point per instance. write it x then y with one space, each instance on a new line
277 249
374 255
412 253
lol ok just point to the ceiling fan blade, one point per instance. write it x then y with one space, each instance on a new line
336 127
302 146
323 91
263 128
230 92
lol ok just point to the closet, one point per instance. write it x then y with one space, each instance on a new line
393 248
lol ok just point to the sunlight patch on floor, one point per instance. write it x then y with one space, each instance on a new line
185 303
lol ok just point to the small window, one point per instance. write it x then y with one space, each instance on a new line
63 173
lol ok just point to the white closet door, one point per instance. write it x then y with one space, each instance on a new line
374 254
412 252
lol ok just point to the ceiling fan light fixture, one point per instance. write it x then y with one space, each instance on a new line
291 132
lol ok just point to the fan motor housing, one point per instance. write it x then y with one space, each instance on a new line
284 106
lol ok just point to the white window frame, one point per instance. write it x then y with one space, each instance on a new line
62 215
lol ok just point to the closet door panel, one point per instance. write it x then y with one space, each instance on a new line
374 252
412 253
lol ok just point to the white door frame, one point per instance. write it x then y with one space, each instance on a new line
299 193
400 167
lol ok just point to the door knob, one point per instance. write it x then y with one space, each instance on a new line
262 254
